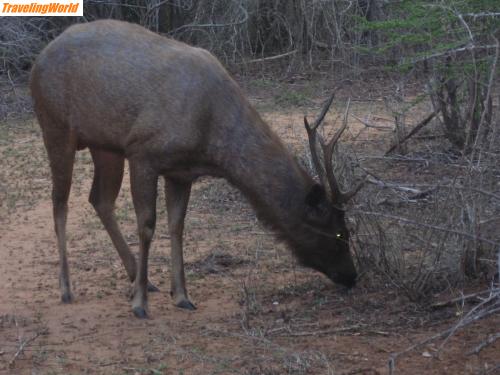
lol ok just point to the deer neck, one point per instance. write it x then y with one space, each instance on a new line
259 164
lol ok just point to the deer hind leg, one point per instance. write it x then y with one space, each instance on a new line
144 185
61 149
108 176
177 197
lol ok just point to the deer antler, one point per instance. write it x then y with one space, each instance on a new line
329 181
312 134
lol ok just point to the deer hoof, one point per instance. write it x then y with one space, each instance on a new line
140 312
186 304
67 297
152 288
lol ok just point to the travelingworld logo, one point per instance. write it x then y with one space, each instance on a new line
41 8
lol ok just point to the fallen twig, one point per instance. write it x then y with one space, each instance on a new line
452 301
22 347
490 340
493 370
389 185
364 370
468 319
275 57
326 331
422 194
478 312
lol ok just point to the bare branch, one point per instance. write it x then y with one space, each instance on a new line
470 318
270 58
389 185
22 346
370 125
490 340
483 14
468 47
474 297
488 92
430 226
243 19
415 130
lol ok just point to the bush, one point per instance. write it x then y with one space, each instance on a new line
454 43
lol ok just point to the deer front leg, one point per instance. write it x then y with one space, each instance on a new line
177 197
144 183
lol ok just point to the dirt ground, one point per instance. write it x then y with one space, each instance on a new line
258 312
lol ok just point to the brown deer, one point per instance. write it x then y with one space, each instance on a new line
172 110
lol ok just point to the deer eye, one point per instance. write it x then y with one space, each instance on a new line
338 235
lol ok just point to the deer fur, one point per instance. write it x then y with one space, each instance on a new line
171 110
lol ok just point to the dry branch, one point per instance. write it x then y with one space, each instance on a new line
389 185
468 47
430 226
326 331
270 58
490 340
469 298
415 130
22 346
468 319
370 125
194 25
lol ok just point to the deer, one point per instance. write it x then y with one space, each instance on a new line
174 112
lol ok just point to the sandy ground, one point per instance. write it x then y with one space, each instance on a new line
258 312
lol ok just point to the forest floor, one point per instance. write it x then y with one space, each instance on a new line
258 312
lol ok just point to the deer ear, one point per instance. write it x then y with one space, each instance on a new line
315 196
317 209
339 212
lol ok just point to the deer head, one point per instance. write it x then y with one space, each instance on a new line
326 203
